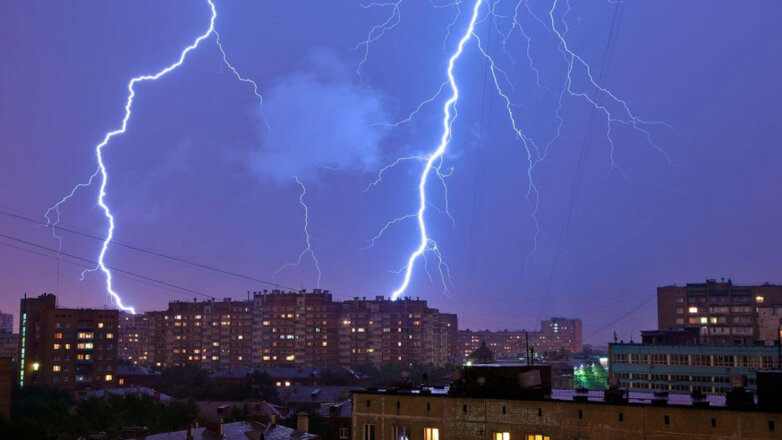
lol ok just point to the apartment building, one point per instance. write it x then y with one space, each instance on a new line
72 348
726 313
294 329
555 335
688 368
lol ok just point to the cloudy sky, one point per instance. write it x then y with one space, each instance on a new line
205 175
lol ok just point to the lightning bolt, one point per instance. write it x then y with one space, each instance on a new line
503 86
434 161
379 30
628 117
308 249
102 172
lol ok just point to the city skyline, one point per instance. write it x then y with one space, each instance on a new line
195 177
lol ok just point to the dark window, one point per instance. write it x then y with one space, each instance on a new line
621 417
667 420
464 408
540 412
398 404
580 414
504 410
368 403
428 406
770 425
713 423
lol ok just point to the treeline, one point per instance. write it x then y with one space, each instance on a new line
52 414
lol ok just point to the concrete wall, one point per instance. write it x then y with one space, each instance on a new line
471 418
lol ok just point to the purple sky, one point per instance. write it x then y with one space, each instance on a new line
199 176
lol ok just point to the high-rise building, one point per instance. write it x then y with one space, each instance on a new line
293 329
133 336
555 335
71 348
6 323
726 313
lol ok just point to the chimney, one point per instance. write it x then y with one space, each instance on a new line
214 426
302 422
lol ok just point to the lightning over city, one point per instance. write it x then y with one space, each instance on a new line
535 153
382 201
102 171
307 239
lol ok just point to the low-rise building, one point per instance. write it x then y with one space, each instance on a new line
688 368
499 403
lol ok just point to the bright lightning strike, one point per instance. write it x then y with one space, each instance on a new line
102 171
307 250
434 162
503 86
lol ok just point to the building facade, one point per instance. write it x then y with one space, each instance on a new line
6 323
688 368
9 346
493 408
555 335
71 348
291 329
726 313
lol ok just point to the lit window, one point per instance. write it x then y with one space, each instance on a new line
55 368
36 366
759 299
109 335
122 381
58 336
100 325
57 346
538 437
704 320
287 383
431 434
108 378
502 436
290 357
693 310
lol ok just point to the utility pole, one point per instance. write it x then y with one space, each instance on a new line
526 336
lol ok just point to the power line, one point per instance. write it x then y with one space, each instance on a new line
116 269
198 265
82 265
580 164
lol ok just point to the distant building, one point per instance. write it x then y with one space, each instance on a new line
133 338
481 355
9 346
138 376
6 323
290 330
499 403
71 348
725 313
216 429
687 368
555 335
769 324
